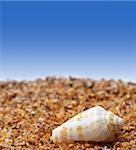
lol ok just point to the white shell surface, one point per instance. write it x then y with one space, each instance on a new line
89 125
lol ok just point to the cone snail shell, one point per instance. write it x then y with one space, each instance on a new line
95 124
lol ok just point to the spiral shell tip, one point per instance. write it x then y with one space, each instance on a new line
120 121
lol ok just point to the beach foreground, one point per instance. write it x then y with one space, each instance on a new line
30 110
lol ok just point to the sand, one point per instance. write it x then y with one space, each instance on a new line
30 110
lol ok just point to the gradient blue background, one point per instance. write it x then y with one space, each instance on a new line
85 39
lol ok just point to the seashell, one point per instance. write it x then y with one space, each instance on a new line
95 124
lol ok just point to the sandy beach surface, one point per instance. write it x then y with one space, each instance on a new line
30 110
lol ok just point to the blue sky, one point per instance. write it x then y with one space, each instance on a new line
84 39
